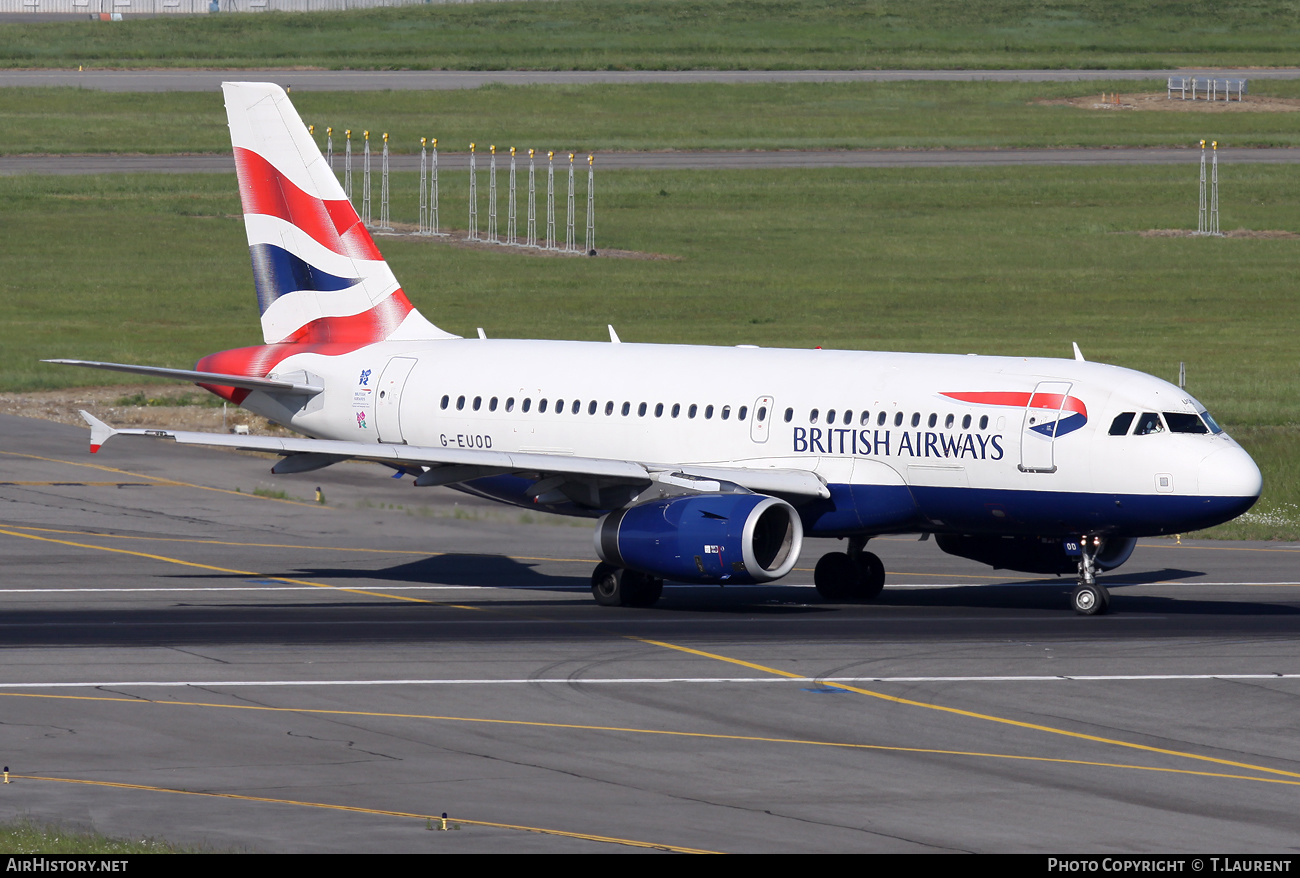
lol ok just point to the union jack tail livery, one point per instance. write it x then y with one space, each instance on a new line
318 274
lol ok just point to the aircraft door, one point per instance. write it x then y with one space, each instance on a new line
761 419
1038 434
388 399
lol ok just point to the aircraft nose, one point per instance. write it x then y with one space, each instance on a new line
1230 472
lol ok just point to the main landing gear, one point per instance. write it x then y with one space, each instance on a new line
616 587
1089 598
855 575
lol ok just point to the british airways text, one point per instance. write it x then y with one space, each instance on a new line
884 443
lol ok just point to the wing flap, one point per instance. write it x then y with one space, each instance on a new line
782 482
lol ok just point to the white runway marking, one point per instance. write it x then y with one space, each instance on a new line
1062 678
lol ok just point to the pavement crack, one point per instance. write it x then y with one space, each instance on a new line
351 745
199 655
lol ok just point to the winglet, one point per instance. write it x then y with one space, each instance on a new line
99 431
1078 354
613 336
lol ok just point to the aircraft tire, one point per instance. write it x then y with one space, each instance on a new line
616 587
836 576
641 589
607 585
871 576
1090 600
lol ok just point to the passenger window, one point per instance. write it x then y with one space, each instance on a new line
965 422
609 408
848 416
510 404
740 415
541 405
627 409
789 415
591 407
812 416
577 406
492 404
659 410
726 412
762 413
984 422
708 412
460 403
880 419
478 401
559 407
677 409
445 399
690 412
934 419
1148 423
916 419
866 419
898 419
640 410
528 403
830 416
947 422
1119 426
1183 422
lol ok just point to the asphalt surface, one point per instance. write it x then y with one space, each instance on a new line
421 80
184 659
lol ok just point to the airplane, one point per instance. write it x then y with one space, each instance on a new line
699 464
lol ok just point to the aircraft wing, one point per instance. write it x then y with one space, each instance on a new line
442 466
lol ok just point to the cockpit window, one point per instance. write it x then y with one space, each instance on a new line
1184 422
1148 423
1211 423
1119 426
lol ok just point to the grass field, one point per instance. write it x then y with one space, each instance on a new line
26 837
682 34
622 117
992 260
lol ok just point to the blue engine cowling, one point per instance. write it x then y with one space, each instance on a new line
731 538
1031 554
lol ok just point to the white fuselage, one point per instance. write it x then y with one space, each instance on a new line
856 419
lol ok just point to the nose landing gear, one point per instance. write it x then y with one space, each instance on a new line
1089 598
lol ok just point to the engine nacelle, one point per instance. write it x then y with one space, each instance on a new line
731 538
1031 554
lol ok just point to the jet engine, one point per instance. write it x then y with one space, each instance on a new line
704 538
1032 554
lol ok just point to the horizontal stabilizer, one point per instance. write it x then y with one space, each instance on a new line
217 379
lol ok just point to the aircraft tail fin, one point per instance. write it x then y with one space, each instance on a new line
318 273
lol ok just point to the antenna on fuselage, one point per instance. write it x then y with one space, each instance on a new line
1182 374
1078 354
